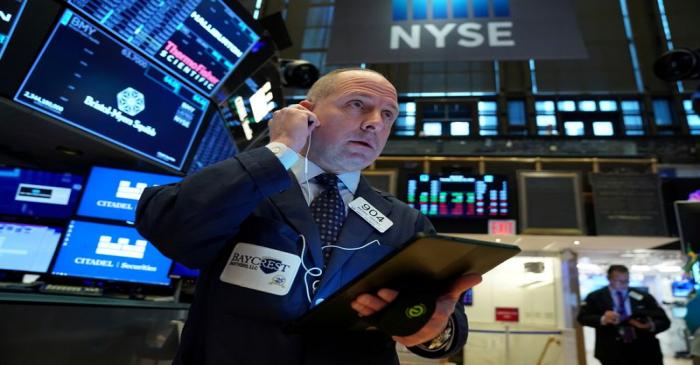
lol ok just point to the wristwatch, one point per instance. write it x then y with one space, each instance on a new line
442 340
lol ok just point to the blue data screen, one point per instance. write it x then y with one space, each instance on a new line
114 194
182 271
201 41
102 251
37 193
10 11
216 145
26 247
87 79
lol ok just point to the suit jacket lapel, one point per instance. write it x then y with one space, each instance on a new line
296 212
609 302
355 231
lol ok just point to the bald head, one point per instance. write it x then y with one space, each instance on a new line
326 85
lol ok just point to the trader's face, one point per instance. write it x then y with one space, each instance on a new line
619 280
354 122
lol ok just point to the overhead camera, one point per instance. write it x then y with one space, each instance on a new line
679 65
298 73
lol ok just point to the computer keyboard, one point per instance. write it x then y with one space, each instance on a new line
70 290
17 287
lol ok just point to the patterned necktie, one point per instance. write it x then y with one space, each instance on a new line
626 331
328 211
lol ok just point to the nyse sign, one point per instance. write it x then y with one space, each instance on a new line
498 34
443 30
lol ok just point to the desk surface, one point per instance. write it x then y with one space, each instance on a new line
41 298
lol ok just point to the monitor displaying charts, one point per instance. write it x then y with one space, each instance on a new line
103 87
459 195
201 41
36 193
27 247
110 252
114 193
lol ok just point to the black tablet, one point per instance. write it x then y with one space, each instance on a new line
426 263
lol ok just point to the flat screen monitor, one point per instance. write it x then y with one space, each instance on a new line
551 202
687 218
201 41
10 11
181 271
681 289
110 252
87 79
250 106
459 196
216 145
27 247
41 194
114 193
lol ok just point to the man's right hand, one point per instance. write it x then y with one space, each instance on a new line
610 317
291 125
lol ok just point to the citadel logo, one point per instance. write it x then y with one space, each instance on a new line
131 101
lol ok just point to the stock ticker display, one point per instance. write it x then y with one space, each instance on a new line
39 194
484 196
106 89
200 40
109 252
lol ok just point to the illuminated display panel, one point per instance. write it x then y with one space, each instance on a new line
202 41
114 193
27 247
40 194
484 196
216 145
10 11
104 251
106 89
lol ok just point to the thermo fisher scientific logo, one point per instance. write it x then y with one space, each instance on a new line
475 22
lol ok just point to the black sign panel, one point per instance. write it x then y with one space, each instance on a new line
90 81
628 204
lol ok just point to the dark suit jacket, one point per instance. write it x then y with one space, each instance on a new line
251 198
608 341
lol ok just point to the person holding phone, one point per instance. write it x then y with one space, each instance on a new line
626 322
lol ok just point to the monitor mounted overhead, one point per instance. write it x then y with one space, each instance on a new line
108 91
10 11
200 41
479 196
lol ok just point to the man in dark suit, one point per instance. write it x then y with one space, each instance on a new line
275 234
626 322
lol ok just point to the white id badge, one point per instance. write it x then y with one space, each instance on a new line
635 296
261 268
370 214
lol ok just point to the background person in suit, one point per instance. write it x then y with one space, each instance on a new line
626 322
273 236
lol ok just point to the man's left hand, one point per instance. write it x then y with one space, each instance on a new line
639 324
368 304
